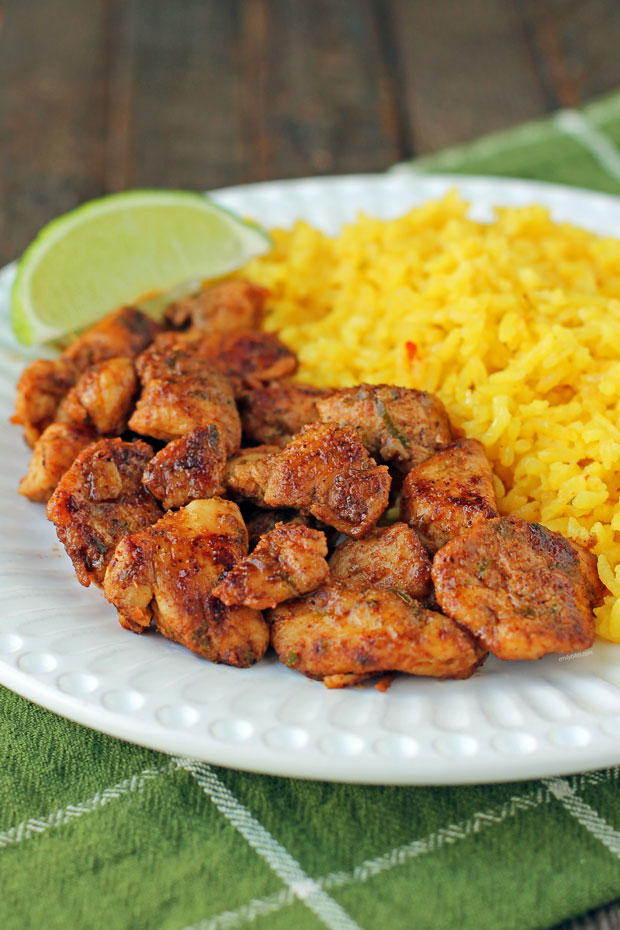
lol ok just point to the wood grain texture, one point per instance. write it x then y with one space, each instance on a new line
51 113
575 43
317 95
173 95
466 69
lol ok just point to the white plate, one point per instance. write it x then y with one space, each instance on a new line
61 645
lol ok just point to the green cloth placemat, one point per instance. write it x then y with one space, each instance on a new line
576 147
95 833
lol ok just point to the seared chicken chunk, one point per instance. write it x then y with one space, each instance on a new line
182 392
389 557
43 384
53 454
354 631
123 333
171 353
521 589
247 473
234 304
274 413
188 469
40 389
287 562
102 397
165 575
248 357
98 501
172 406
449 492
397 424
264 521
326 471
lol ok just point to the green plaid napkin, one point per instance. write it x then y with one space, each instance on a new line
95 833
576 147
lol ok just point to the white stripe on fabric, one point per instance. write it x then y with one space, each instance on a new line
445 836
575 124
270 904
282 863
27 829
586 815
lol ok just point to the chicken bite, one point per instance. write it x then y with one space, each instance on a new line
264 521
274 413
448 493
248 357
287 562
40 389
342 633
172 406
230 305
247 473
123 333
388 557
522 590
98 501
399 425
165 574
43 384
326 471
188 469
171 353
103 397
53 454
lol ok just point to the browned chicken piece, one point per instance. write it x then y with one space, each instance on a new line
521 589
287 562
172 406
103 397
234 304
274 413
355 631
40 389
448 493
327 472
123 333
399 425
188 469
389 557
248 357
98 501
264 521
165 575
246 473
171 353
43 384
54 452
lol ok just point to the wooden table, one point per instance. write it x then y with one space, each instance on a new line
102 95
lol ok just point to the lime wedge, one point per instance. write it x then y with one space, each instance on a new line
115 250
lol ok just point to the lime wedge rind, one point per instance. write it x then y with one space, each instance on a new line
113 250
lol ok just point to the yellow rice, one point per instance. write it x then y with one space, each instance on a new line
514 324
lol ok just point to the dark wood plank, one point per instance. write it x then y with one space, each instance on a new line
466 69
576 43
174 90
317 95
52 69
208 94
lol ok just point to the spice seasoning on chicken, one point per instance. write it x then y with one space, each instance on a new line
165 532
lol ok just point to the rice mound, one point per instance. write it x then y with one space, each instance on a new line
515 324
